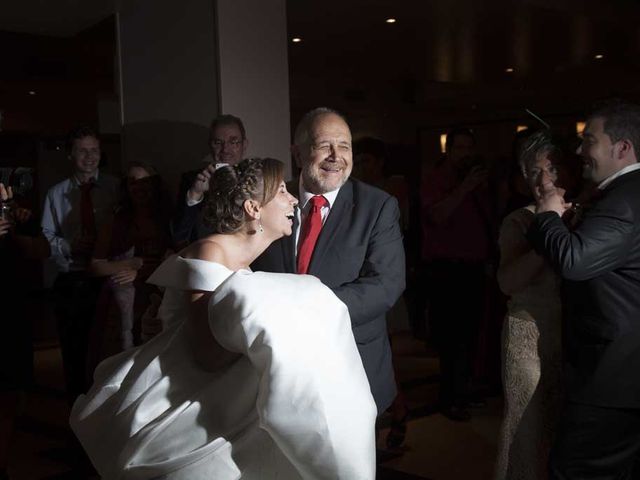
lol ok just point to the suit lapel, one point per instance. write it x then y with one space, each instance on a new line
289 243
337 216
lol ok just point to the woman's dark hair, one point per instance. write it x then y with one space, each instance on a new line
124 228
154 182
230 186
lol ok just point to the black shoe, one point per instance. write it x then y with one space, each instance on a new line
457 414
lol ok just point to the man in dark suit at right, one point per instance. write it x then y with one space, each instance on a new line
347 234
599 435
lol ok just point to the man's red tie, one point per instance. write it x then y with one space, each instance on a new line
310 231
87 218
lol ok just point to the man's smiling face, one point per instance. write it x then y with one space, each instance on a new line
597 151
326 159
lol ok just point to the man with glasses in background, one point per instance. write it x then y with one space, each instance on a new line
228 143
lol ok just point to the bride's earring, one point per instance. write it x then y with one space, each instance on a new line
260 229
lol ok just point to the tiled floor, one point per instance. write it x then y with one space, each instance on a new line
436 448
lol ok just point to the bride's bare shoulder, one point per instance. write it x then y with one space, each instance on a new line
203 250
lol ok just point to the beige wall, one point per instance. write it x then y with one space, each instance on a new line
168 82
254 72
184 63
168 61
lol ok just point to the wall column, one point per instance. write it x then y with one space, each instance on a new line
181 64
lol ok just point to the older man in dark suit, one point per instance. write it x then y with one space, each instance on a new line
599 436
347 234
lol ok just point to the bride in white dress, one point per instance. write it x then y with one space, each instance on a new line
255 375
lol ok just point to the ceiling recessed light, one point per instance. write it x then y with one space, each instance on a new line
599 56
296 39
509 70
32 92
390 20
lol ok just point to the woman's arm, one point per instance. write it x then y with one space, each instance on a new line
519 263
123 271
101 267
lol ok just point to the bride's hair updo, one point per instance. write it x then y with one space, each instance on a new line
230 186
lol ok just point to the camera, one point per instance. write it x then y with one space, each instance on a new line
20 179
6 210
468 163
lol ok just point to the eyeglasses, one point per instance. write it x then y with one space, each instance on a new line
234 142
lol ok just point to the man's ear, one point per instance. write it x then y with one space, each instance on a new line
252 209
295 151
624 148
245 146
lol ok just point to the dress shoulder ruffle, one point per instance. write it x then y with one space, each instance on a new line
189 274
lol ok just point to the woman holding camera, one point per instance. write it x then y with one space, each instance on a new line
21 240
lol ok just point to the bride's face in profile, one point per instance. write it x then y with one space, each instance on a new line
277 215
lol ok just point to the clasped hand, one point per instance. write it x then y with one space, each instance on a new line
129 274
550 198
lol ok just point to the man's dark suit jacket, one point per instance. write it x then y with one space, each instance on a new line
600 261
360 256
186 225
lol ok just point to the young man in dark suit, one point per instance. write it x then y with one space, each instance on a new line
347 234
599 436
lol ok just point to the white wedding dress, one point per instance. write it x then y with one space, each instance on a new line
295 404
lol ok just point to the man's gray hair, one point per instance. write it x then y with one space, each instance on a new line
301 135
